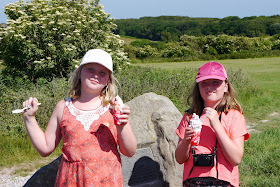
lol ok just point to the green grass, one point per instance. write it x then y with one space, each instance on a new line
265 71
19 152
260 164
127 40
15 145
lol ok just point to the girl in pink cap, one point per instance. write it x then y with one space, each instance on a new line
91 133
214 161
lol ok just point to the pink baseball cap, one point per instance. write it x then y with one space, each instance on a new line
211 70
98 56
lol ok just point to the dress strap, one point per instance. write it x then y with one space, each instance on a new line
68 101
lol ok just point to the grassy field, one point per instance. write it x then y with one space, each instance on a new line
127 40
266 72
261 160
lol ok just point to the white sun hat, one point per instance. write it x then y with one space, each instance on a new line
98 56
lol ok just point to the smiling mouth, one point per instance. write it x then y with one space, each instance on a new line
94 81
209 93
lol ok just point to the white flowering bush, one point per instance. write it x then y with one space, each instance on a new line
225 44
175 49
47 38
146 51
276 45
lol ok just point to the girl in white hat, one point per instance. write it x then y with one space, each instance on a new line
86 122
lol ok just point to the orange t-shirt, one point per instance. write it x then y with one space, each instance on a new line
235 126
90 154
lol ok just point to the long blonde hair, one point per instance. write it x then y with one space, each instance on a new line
228 101
107 94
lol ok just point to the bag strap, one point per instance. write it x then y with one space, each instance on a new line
215 150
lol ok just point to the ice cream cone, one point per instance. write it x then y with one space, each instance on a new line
118 105
196 124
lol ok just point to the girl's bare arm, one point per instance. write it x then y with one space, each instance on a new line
126 139
183 148
44 142
232 149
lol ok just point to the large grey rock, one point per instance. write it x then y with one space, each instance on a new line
154 119
142 170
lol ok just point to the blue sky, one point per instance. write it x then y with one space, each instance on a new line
122 9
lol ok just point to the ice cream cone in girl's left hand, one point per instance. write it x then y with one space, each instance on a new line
196 124
117 108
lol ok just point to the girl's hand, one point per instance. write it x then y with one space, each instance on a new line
189 133
123 116
126 139
31 103
212 115
182 152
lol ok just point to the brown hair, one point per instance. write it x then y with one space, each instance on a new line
227 102
107 94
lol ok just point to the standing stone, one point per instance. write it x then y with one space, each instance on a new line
154 119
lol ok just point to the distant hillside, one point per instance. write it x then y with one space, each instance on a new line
170 28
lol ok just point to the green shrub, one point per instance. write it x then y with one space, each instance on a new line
191 48
276 45
146 51
47 38
174 49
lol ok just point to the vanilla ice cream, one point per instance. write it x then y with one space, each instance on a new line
118 105
196 124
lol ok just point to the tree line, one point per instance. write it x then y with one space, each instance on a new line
171 28
190 48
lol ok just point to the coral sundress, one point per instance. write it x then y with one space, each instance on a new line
90 154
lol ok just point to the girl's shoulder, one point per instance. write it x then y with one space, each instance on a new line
59 109
60 105
233 111
233 114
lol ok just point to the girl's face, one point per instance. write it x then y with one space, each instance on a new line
212 91
94 77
